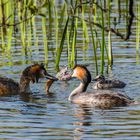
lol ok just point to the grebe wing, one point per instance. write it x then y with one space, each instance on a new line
8 86
102 99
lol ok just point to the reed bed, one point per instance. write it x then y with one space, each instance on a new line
68 18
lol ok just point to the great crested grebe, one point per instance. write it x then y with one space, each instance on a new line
99 98
31 74
62 75
102 83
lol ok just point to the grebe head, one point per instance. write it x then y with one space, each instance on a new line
32 74
35 72
99 78
82 73
64 74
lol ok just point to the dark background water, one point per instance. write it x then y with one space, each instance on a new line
53 117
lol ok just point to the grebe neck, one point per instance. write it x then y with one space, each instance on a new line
24 85
80 89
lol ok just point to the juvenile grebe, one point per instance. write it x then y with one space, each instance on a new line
102 83
100 98
31 74
62 75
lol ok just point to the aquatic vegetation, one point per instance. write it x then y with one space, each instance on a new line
138 29
94 47
62 24
59 50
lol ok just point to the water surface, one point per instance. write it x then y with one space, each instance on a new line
53 117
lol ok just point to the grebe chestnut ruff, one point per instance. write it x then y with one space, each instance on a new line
31 74
104 99
102 83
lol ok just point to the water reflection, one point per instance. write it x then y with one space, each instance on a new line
93 123
83 116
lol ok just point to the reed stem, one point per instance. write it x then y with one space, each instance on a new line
102 45
138 29
59 51
45 39
94 46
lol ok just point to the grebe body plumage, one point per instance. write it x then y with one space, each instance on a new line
100 82
8 86
99 98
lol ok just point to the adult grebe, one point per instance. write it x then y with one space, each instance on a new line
31 74
62 75
102 83
99 98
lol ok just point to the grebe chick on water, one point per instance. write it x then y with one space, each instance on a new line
31 74
62 75
102 83
104 99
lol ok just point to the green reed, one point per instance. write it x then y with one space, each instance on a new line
138 29
59 22
68 48
62 22
59 26
50 10
95 40
94 11
56 26
68 40
73 58
45 39
85 29
103 44
10 14
2 22
21 15
34 30
74 36
109 50
110 55
7 17
29 35
59 50
63 12
94 45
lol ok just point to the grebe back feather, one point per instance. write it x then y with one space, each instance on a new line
100 82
